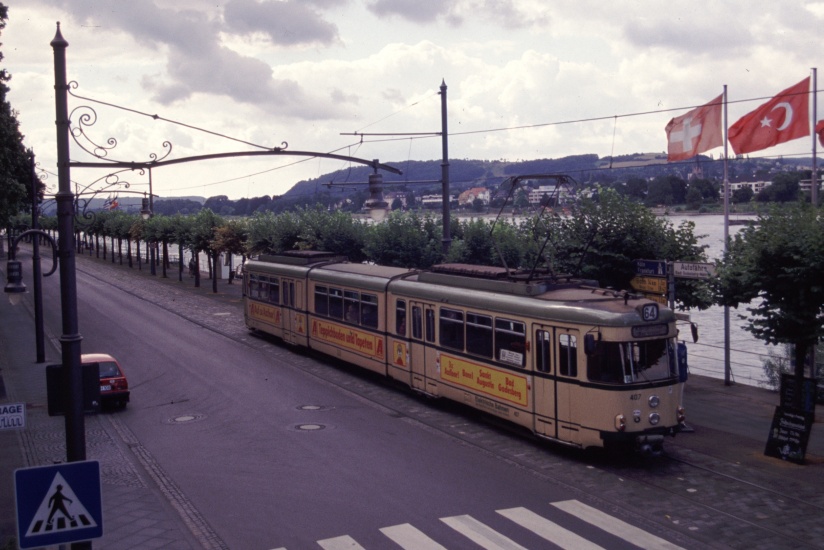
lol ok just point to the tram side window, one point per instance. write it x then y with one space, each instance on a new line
262 288
452 329
543 347
510 341
351 305
400 317
479 334
321 300
417 322
369 310
430 325
568 354
336 303
274 291
251 289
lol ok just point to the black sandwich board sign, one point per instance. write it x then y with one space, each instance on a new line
58 504
789 434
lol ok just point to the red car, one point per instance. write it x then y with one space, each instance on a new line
114 388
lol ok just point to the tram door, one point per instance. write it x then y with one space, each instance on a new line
555 383
422 352
294 323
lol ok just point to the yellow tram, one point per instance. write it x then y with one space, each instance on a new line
571 362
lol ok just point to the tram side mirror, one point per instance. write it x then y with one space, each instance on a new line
694 330
590 344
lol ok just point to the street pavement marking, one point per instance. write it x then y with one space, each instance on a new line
408 537
548 530
614 526
340 543
481 534
411 538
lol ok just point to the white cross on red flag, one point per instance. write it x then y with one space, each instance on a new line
695 132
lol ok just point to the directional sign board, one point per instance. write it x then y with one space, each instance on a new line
58 504
651 268
12 415
693 270
654 285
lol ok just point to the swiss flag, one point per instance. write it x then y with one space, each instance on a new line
695 132
783 118
819 130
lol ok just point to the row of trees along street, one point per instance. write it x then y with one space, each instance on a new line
777 263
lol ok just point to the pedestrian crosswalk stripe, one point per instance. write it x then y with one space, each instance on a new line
481 534
410 538
548 530
340 543
615 526
60 510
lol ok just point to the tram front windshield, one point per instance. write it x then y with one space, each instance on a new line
630 362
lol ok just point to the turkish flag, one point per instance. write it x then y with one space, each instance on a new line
695 132
783 118
819 129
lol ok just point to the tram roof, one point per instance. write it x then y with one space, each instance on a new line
575 304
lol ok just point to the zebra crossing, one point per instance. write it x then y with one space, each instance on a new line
409 537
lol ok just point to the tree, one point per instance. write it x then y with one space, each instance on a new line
15 160
204 225
405 239
637 188
778 262
742 195
602 240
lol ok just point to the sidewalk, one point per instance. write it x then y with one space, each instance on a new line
730 423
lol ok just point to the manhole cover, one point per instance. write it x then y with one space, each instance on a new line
312 408
309 427
185 418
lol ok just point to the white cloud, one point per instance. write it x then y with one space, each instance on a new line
305 72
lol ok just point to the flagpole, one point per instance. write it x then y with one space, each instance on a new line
814 182
727 369
814 178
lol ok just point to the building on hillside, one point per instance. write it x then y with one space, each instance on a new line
536 195
468 197
756 186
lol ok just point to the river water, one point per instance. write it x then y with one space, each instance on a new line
706 357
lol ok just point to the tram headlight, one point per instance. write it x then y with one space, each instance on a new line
620 423
654 401
654 418
680 414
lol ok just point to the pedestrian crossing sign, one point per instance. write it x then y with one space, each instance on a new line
58 504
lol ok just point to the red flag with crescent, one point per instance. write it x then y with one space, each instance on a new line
819 130
783 118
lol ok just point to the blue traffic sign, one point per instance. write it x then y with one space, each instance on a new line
651 268
58 504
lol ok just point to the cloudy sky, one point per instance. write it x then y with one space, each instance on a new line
526 78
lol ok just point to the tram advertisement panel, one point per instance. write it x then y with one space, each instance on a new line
267 314
364 343
496 383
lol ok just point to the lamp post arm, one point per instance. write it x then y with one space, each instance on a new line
41 233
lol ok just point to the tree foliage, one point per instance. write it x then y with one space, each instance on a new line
15 159
778 263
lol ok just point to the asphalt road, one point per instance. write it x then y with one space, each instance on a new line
271 456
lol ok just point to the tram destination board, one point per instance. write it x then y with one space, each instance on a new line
651 268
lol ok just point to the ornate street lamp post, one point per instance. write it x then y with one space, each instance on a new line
70 339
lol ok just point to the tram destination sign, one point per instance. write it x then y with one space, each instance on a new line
692 270
651 268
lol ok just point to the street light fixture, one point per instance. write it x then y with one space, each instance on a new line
375 204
